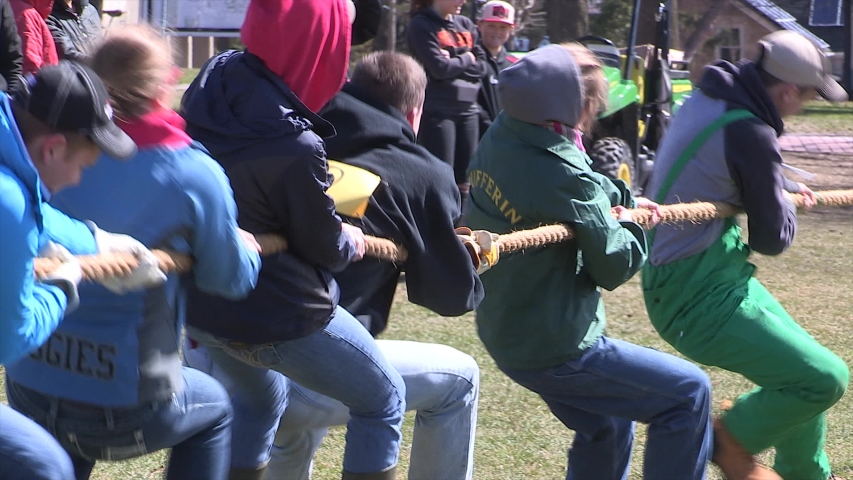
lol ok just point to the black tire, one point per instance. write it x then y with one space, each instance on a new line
612 157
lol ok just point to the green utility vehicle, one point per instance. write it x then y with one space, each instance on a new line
644 93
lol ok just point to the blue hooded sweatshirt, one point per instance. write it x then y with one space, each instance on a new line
29 310
123 350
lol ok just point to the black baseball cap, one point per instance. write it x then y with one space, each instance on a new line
70 98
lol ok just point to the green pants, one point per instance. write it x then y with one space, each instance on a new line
711 309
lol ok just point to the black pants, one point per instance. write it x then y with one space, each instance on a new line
452 137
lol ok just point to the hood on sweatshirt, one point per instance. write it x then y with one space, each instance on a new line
236 101
367 123
306 43
544 86
741 85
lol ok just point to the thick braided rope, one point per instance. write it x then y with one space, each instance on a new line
97 267
106 265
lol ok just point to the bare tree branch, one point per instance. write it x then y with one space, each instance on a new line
703 28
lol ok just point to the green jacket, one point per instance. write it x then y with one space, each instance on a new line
543 307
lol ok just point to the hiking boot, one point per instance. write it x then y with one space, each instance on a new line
735 462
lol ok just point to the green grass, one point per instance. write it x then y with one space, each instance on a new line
188 76
820 117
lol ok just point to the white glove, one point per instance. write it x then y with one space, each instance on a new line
67 276
482 247
146 275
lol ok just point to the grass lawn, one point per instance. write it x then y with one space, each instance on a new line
188 76
824 118
518 438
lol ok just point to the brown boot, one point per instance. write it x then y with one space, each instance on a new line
256 473
389 474
735 462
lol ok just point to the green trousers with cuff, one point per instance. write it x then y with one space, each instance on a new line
711 309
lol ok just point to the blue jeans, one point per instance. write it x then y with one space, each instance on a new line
28 452
613 384
341 361
442 385
195 424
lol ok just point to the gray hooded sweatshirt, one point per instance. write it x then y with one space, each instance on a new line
740 164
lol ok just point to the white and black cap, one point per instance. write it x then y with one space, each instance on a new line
69 97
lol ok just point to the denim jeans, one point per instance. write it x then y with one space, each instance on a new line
341 361
28 452
195 424
613 384
442 385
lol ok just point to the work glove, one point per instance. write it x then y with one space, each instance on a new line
67 276
482 247
146 275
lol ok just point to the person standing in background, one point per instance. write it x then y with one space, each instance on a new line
37 46
75 25
11 62
496 25
446 44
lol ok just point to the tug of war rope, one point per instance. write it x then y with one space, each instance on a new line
483 246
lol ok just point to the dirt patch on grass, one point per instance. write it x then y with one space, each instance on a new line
834 172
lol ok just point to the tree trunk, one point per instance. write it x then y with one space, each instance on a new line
674 26
703 28
386 37
567 19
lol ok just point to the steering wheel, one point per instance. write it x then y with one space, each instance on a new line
595 39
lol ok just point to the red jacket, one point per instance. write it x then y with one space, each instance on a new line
36 41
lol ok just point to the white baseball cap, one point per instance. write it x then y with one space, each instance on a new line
498 11
794 59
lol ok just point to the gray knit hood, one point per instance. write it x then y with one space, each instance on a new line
544 86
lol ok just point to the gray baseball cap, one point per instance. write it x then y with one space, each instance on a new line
794 59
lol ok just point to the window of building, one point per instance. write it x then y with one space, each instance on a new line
826 13
729 44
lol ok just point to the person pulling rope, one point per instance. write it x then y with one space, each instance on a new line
484 247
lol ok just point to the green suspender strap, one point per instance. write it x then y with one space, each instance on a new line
729 117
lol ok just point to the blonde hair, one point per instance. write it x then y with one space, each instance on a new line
135 64
594 83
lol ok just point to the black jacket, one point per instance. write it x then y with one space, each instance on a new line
454 80
11 60
489 100
264 137
74 29
415 205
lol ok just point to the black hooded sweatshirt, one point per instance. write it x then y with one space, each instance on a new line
453 79
270 145
415 205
